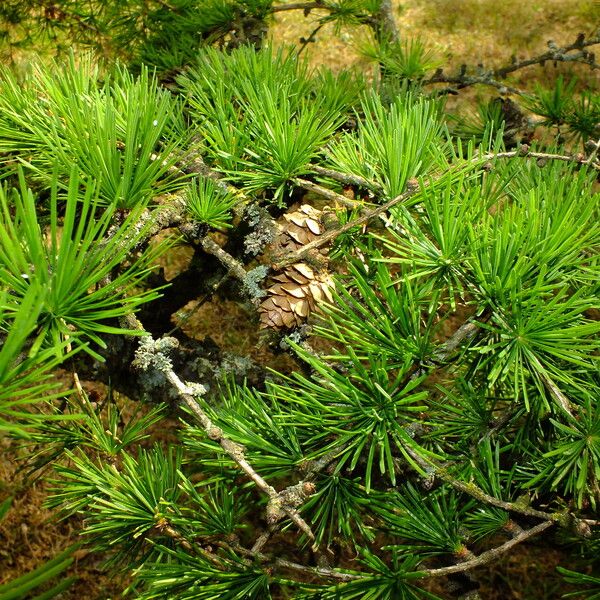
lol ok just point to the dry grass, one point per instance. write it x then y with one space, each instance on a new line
469 31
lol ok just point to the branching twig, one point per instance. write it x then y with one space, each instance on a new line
310 471
476 492
524 151
233 265
304 42
345 177
412 189
594 148
280 503
287 564
387 22
236 452
488 556
321 571
466 331
491 77
519 535
462 80
327 193
556 54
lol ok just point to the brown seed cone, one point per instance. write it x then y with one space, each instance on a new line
294 292
299 228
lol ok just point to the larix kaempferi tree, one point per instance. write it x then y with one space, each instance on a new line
450 412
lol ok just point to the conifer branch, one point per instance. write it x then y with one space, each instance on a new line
278 502
574 52
327 193
151 355
476 492
356 407
310 471
487 557
263 538
468 561
233 265
321 571
328 236
556 54
594 146
466 331
304 42
463 80
164 527
387 25
525 152
412 189
348 179
271 562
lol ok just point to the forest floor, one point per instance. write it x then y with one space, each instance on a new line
456 31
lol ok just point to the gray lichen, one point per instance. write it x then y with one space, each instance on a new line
195 388
152 354
151 357
233 364
252 281
264 229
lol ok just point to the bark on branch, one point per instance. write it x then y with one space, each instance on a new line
150 355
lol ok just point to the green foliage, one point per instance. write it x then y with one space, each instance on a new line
109 434
375 404
489 117
386 322
135 127
25 376
166 36
260 116
254 420
392 145
434 247
208 203
125 505
584 116
171 36
405 59
340 91
215 508
451 397
337 509
69 260
554 104
573 577
283 140
347 13
197 578
383 583
434 524
560 107
494 480
573 460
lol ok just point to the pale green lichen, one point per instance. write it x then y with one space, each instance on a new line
252 281
153 354
264 229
